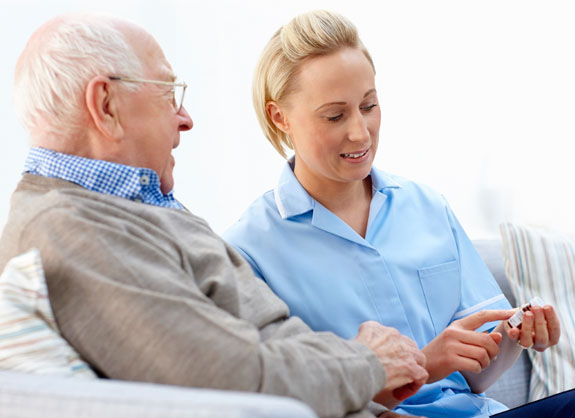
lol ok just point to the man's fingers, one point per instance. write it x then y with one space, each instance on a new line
421 375
420 358
415 358
399 355
403 392
474 321
406 391
415 366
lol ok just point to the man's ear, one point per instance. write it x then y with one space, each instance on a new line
103 107
277 115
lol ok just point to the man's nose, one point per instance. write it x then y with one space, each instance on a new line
186 122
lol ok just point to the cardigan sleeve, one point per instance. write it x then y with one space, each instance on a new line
136 312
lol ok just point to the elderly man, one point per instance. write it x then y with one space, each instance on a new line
142 288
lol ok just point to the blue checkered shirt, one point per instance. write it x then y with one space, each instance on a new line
134 183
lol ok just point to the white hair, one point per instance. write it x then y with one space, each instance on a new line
52 76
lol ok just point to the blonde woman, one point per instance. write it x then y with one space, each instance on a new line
343 242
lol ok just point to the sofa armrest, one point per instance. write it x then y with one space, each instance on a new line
30 396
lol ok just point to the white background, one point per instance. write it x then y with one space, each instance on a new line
478 99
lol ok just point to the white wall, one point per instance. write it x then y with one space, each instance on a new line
478 99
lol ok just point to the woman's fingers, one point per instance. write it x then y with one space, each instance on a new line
540 329
474 321
469 365
541 334
480 343
471 345
553 324
526 337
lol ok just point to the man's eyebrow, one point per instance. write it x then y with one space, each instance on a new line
169 75
367 93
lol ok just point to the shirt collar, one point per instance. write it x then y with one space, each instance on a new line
381 180
292 199
133 183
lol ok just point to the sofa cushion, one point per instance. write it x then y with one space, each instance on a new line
542 263
29 337
31 396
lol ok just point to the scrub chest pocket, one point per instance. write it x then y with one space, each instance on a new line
441 286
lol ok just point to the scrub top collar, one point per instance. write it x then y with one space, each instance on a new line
293 200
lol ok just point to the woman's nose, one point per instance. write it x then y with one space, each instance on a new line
358 131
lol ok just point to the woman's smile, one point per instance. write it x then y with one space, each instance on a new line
356 157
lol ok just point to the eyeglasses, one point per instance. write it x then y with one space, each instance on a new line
178 89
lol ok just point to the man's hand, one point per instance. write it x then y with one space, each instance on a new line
540 329
403 362
460 348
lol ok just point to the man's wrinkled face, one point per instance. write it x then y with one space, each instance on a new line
152 124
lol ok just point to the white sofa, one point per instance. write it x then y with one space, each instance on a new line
32 396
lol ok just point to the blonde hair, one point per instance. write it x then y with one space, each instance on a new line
308 35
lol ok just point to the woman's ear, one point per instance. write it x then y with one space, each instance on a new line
277 116
103 107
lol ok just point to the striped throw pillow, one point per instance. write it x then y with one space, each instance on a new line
29 337
542 263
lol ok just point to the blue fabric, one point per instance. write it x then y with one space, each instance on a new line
134 183
416 270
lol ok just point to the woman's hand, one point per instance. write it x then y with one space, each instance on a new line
540 329
460 348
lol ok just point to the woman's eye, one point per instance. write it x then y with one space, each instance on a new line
335 118
368 108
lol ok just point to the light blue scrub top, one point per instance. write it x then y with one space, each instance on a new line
416 270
